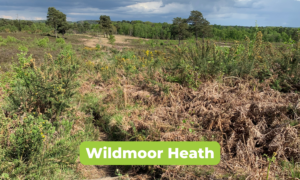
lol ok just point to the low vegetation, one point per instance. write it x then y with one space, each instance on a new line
56 93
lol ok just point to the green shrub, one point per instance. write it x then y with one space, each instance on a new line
98 47
10 39
43 42
3 44
23 48
33 147
91 105
112 39
48 89
39 141
27 137
60 41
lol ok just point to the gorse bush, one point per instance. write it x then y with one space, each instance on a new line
35 140
91 105
27 138
46 90
36 147
60 41
43 42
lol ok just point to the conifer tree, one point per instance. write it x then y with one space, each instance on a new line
106 24
198 24
86 26
56 19
180 27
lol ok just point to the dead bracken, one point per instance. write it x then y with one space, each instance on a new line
247 123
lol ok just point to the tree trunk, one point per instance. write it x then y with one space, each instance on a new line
20 29
55 33
179 41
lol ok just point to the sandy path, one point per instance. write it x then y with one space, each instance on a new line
120 41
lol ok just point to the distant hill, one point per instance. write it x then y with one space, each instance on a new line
89 21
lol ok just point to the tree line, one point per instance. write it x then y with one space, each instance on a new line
195 26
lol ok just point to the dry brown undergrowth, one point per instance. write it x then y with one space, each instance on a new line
247 119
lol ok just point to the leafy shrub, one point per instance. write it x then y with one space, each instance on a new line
3 44
60 41
23 48
27 137
43 42
112 39
37 142
33 147
98 47
10 39
45 90
106 70
91 105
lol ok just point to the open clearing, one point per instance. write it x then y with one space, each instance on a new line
121 41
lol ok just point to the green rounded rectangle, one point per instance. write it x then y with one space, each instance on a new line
150 153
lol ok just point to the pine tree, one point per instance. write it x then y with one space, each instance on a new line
180 27
198 24
62 28
86 26
56 19
106 24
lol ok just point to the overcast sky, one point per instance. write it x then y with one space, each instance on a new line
221 12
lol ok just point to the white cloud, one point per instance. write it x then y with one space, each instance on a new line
6 17
38 18
144 8
157 8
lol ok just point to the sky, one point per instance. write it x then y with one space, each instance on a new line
284 13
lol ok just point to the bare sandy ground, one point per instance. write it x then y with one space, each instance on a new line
120 41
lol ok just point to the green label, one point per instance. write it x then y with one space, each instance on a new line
150 153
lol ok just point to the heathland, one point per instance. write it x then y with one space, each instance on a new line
59 92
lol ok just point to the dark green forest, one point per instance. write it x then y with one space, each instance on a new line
156 30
